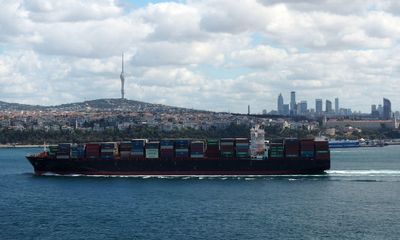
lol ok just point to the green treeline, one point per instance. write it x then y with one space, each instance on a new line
8 136
78 136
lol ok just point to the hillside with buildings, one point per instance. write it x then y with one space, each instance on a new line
110 119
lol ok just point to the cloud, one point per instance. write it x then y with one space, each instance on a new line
97 39
173 22
14 22
208 54
71 10
261 56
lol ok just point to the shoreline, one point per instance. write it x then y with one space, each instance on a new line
20 146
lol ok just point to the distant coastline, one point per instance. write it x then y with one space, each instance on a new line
20 146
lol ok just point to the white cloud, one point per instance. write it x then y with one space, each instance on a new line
173 22
208 54
71 10
260 56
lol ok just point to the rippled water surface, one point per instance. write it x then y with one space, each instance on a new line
359 198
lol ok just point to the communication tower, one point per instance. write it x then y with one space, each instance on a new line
122 76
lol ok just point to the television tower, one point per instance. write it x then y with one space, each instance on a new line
122 76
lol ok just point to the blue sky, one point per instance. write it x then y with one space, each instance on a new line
145 2
214 55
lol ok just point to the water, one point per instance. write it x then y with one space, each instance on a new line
359 198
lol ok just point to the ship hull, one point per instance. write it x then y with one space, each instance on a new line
184 167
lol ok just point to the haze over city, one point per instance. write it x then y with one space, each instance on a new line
212 55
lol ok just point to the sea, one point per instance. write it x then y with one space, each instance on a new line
359 198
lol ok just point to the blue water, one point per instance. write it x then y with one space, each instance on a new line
358 199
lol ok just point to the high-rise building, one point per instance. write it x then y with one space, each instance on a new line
380 110
303 107
280 104
286 110
318 106
373 108
293 108
328 106
336 105
387 109
374 111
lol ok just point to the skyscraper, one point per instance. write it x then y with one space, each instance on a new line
380 110
374 111
373 108
293 103
318 106
286 110
280 104
387 109
303 107
336 105
328 106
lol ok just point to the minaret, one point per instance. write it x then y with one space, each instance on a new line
122 76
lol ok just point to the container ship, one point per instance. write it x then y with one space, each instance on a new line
187 157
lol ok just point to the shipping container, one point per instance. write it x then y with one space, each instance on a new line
53 150
182 148
108 150
212 148
307 148
77 151
125 155
92 150
63 151
152 149
197 149
322 150
125 146
138 143
276 150
242 148
292 148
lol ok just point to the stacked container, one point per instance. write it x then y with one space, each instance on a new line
197 149
212 148
182 148
108 150
227 146
242 148
276 149
53 150
92 150
152 150
307 148
292 148
167 149
137 148
322 150
64 150
125 150
77 151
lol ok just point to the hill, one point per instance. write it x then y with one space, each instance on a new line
110 104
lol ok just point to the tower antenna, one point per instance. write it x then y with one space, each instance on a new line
122 76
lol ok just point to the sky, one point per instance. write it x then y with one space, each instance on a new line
219 55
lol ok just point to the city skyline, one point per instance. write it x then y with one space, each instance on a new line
303 106
200 54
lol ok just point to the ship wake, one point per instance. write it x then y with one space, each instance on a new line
364 173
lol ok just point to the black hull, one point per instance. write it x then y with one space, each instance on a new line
184 167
